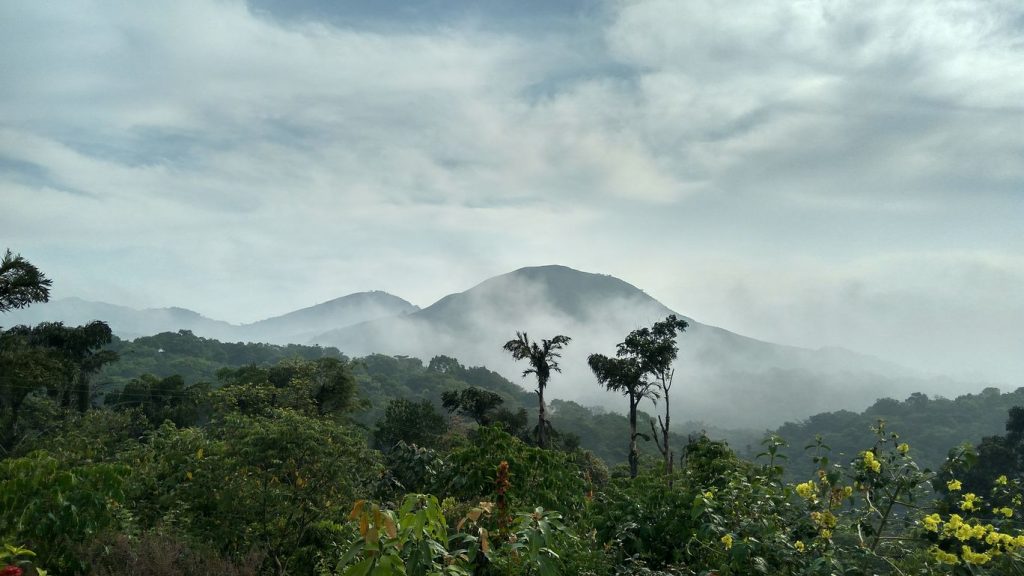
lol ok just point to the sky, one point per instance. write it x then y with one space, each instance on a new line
810 172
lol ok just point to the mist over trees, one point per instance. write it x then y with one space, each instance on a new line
176 453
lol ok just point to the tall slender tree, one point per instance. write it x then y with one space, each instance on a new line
624 374
543 359
642 369
657 350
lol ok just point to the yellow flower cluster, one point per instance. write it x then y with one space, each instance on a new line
807 490
1001 481
903 448
966 531
972 557
969 501
945 557
799 545
1008 512
953 485
824 519
870 462
727 541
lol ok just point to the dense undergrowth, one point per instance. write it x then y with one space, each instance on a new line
266 473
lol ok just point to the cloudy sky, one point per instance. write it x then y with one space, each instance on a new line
811 172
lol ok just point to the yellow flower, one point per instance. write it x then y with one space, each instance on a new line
847 491
709 494
979 531
799 545
824 519
727 541
903 448
826 533
970 499
806 490
931 522
953 485
871 462
945 557
964 532
1008 512
972 557
1001 481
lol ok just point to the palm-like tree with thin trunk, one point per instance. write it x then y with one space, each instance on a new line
543 359
21 283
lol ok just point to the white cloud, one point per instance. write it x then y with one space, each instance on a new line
224 160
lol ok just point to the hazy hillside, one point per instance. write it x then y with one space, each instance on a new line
124 321
302 325
294 327
931 425
723 377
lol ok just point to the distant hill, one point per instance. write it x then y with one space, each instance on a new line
303 325
295 327
124 321
722 377
931 425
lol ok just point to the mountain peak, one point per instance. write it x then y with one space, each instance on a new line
566 290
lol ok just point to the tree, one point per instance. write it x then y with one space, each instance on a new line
410 422
626 375
643 369
657 350
21 283
162 399
978 467
445 365
476 403
543 359
80 350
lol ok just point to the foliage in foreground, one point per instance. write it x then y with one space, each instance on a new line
269 474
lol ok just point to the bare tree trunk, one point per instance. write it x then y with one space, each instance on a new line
82 393
634 455
541 416
664 434
663 425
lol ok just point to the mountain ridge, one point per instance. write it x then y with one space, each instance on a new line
127 322
732 374
728 377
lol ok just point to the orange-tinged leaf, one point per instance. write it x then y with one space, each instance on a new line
389 527
357 509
